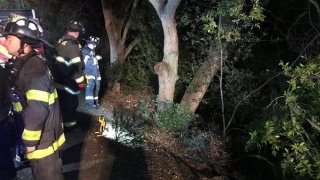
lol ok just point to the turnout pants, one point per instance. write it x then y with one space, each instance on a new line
92 89
68 105
7 141
47 168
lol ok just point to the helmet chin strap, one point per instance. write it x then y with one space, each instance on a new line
21 50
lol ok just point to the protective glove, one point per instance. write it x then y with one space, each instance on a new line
98 57
82 85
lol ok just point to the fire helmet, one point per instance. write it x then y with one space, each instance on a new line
26 30
92 42
76 26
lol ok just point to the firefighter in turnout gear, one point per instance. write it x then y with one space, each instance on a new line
92 72
68 69
7 130
43 128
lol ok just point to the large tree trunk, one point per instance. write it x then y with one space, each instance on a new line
202 79
117 31
167 70
117 48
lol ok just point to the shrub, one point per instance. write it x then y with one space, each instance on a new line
294 133
173 117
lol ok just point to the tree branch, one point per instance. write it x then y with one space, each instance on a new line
221 80
295 22
126 29
316 6
131 46
106 12
259 158
171 6
313 125
157 4
247 96
265 83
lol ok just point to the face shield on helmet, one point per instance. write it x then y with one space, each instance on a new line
92 42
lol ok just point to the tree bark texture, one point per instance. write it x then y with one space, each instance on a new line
167 70
117 31
202 79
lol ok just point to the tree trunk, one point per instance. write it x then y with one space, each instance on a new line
112 26
202 79
117 31
167 70
117 49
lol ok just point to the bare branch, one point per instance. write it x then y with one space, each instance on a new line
313 125
311 19
293 25
273 101
316 6
131 46
247 96
266 82
221 80
126 29
259 158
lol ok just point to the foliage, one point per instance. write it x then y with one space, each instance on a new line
293 134
242 15
173 117
19 4
125 120
196 141
138 69
136 76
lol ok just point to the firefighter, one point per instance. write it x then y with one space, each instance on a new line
7 134
91 70
32 80
68 72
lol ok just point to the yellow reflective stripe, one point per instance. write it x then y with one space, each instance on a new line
80 79
17 106
75 60
43 96
70 62
62 60
41 153
31 135
53 96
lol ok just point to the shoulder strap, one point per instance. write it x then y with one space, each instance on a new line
15 71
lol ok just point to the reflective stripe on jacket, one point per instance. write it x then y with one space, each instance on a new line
90 62
68 65
42 117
